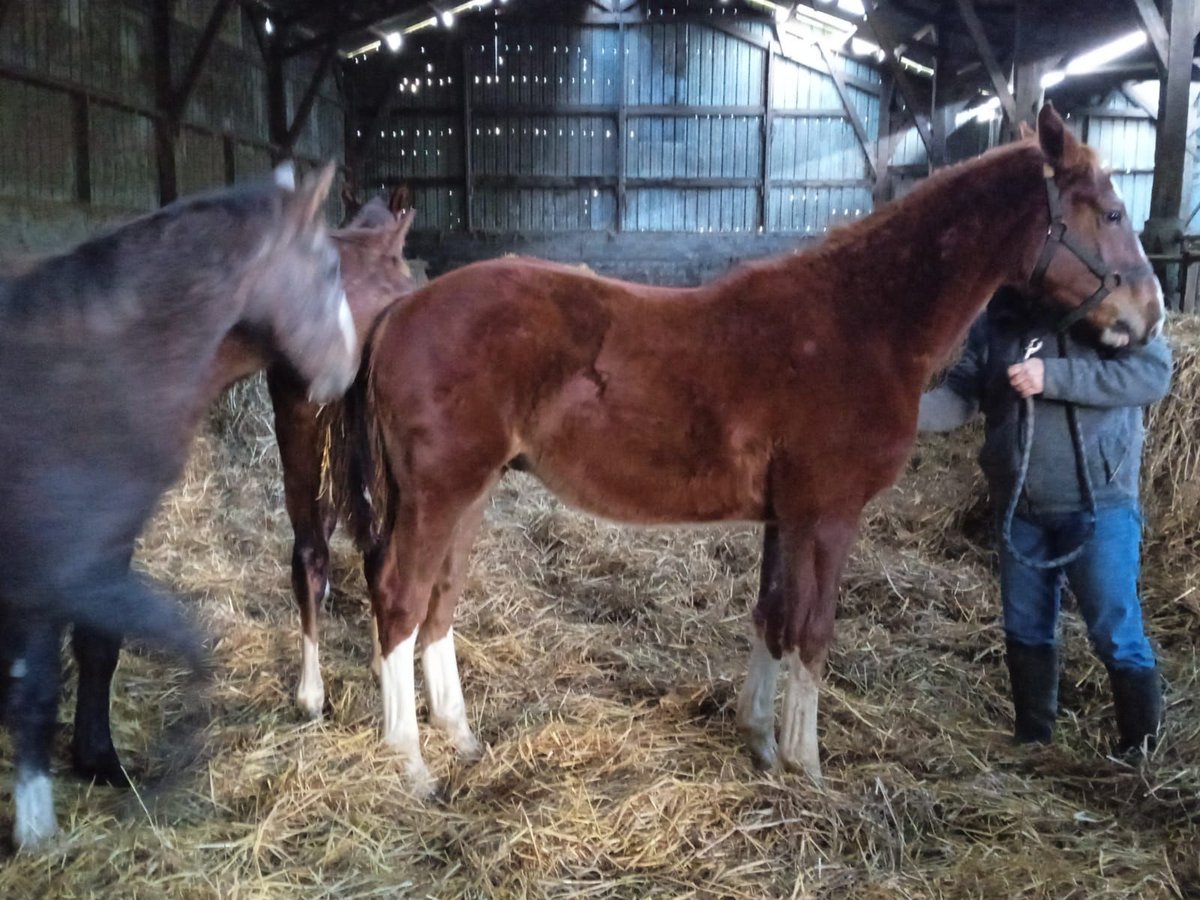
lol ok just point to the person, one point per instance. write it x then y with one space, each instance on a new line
1108 390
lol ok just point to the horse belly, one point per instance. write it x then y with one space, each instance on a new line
643 463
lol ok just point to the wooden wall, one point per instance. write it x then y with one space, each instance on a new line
78 109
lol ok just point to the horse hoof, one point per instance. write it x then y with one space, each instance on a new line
421 782
311 705
809 767
34 823
764 752
100 768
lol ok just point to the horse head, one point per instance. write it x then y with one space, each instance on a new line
1091 265
297 296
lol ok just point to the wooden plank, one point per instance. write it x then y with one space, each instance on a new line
310 96
735 32
768 129
1171 144
468 143
912 98
966 10
80 130
622 124
181 95
851 113
165 128
1156 30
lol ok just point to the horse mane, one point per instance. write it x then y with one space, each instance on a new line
78 278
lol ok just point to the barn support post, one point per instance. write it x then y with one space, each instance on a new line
1027 72
1156 30
80 128
966 11
912 97
881 193
277 127
1162 234
305 107
183 93
165 130
229 158
622 122
768 128
468 143
860 131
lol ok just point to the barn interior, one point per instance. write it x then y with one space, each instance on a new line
662 141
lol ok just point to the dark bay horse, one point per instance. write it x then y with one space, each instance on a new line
374 273
109 356
785 392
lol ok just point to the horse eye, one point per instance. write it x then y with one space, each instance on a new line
1113 215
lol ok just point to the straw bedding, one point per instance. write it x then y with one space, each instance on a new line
601 666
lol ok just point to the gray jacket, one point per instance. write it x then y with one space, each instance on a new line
1109 390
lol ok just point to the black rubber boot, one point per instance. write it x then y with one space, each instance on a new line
1137 699
1034 675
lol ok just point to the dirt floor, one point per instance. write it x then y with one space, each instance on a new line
601 666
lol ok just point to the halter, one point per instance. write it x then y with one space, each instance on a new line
1056 234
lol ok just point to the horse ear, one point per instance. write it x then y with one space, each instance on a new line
402 227
1059 145
285 175
312 193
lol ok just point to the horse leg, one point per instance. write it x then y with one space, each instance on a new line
93 755
403 579
815 571
756 702
443 688
32 717
299 439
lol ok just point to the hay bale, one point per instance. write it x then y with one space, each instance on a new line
601 666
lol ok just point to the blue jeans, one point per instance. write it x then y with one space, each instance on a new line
1104 580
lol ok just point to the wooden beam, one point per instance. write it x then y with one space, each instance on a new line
766 44
182 94
912 99
860 132
622 124
1170 149
80 131
1156 30
277 126
966 10
882 191
310 95
165 127
768 130
468 143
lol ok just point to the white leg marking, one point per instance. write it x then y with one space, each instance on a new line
346 323
398 686
447 708
376 651
34 798
310 693
798 726
756 703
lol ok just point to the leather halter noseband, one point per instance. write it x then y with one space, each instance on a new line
1057 234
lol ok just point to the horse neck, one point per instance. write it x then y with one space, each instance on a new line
369 291
929 263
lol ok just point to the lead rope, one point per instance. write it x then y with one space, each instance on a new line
1085 478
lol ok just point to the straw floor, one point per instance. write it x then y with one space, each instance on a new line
601 666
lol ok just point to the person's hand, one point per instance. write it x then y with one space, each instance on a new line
1028 378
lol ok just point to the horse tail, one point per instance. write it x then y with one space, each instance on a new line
354 469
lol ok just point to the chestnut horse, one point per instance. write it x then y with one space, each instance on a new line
109 356
785 392
374 274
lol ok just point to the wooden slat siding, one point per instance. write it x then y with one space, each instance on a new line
95 55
